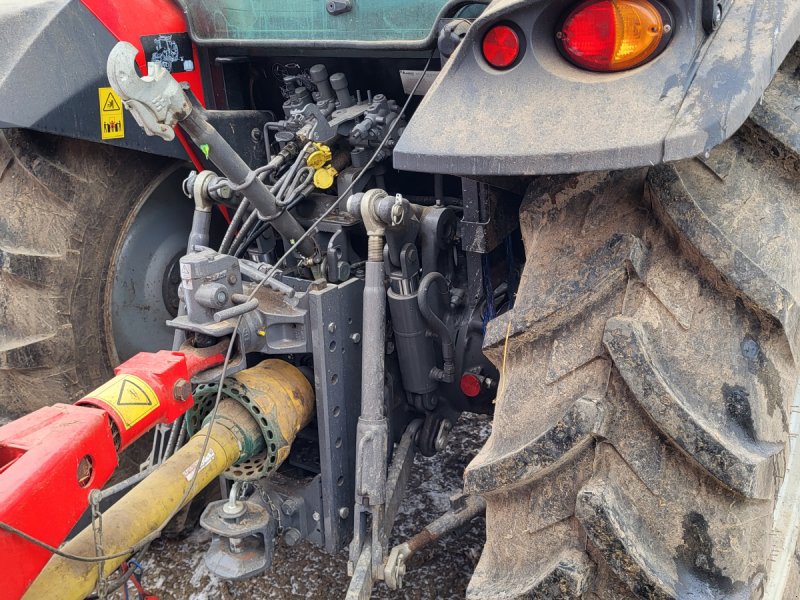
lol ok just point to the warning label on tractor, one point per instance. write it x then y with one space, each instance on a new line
130 397
112 123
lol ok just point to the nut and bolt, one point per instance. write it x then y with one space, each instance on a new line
291 536
355 338
344 512
182 390
232 279
289 507
221 297
315 516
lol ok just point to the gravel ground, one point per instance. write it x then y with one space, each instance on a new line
174 570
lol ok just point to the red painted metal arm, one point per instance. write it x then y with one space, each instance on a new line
51 459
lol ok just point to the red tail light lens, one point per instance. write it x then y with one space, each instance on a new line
614 35
501 46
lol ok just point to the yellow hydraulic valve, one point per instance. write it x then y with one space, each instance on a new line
273 401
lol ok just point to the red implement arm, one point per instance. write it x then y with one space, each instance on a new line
51 459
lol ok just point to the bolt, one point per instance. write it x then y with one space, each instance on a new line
667 28
289 507
182 390
291 536
232 279
344 512
233 510
338 7
355 337
331 327
315 516
221 296
255 135
343 270
235 545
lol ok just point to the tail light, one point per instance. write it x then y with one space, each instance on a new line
501 46
614 35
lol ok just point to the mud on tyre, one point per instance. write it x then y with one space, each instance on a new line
63 206
641 441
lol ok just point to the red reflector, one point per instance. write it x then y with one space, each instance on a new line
470 385
501 46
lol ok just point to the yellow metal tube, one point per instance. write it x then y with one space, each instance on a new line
138 514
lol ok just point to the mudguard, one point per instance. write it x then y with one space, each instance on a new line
777 112
546 116
53 64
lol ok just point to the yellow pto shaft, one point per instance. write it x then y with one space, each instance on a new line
273 388
138 514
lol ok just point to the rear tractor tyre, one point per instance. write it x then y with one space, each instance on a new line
89 236
645 440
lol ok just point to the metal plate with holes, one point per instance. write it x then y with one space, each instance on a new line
336 334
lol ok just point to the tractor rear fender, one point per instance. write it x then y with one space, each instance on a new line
544 115
53 64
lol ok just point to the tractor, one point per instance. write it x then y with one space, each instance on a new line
286 244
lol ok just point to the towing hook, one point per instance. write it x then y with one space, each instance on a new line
156 101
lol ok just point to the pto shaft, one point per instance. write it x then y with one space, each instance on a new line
142 510
275 401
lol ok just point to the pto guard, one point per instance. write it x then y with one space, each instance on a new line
146 391
50 460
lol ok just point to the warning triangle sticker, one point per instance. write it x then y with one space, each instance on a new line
129 397
111 103
131 394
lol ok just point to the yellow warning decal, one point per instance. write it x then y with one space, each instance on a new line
128 396
112 121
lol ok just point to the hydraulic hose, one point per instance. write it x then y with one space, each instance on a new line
236 170
447 372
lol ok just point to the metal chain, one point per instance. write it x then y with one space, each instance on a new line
97 531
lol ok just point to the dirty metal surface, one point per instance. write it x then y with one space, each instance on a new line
174 570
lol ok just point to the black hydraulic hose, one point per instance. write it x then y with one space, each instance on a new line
236 170
242 234
234 224
448 370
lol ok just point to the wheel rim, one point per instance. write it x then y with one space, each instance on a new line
141 293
